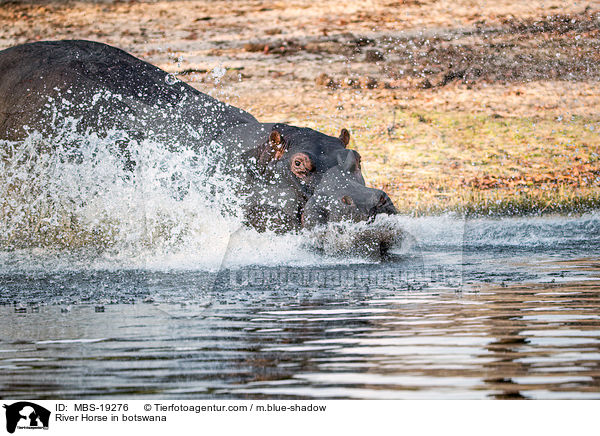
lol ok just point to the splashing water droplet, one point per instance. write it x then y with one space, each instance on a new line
171 79
218 74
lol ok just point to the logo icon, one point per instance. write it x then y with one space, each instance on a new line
26 415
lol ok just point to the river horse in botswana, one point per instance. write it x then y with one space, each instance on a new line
291 177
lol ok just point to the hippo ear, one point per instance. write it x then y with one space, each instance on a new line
345 137
273 149
275 137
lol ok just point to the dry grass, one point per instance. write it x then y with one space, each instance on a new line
474 107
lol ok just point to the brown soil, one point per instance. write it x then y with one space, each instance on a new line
454 102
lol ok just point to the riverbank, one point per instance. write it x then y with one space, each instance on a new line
485 110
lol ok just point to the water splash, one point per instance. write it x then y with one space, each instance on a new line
370 240
57 196
78 201
83 201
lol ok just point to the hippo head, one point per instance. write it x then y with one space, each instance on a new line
341 195
306 178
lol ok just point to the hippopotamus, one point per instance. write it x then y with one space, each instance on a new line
290 177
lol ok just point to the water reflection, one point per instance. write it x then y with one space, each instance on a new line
358 331
518 341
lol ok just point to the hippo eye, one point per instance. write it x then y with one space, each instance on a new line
301 165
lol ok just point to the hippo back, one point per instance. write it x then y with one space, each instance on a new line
94 86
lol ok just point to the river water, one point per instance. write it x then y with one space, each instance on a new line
467 309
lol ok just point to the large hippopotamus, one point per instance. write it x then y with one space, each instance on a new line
291 177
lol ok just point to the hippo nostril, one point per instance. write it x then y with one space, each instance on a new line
347 200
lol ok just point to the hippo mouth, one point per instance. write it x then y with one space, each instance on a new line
320 210
366 229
